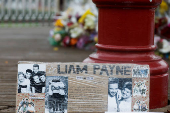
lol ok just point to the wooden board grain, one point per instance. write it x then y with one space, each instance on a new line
31 44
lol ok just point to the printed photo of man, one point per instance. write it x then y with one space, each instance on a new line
119 94
56 94
114 94
38 86
35 69
30 108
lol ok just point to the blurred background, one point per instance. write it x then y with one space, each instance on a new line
29 11
70 23
56 31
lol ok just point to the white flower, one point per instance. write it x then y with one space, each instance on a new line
57 37
166 47
90 22
156 39
76 32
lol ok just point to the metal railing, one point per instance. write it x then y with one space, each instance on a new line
28 10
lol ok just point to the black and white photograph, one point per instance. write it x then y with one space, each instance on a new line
31 78
56 97
119 94
26 106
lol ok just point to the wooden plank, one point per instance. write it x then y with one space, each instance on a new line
3 107
8 84
7 98
7 81
8 93
12 103
8 110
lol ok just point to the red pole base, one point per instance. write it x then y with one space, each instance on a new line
126 35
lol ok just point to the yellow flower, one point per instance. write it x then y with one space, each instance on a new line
81 20
57 29
96 39
163 7
59 23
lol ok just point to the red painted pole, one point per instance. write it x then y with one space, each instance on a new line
126 35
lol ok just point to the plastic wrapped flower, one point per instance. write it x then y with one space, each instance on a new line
59 23
92 36
96 39
66 41
164 46
156 39
73 41
88 12
76 32
51 33
163 7
57 37
82 41
56 29
90 22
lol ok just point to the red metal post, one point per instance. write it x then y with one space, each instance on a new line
126 35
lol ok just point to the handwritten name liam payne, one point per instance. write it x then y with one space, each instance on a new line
105 70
